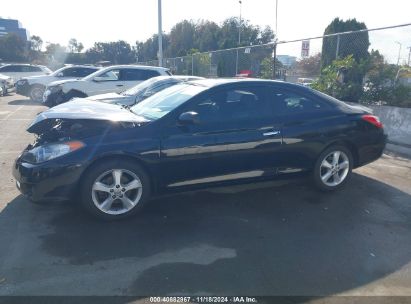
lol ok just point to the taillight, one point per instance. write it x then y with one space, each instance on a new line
373 120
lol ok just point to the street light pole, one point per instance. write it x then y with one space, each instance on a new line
160 36
239 40
239 27
399 52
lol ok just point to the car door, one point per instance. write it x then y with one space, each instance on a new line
187 151
131 77
305 126
107 82
248 136
30 70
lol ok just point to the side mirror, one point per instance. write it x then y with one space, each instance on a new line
188 118
60 74
99 79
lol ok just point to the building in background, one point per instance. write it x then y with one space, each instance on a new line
8 26
287 60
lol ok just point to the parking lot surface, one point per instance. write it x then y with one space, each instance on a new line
265 239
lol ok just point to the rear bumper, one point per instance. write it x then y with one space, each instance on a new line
372 151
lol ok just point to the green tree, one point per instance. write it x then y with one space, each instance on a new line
382 85
310 66
355 44
119 52
266 69
74 46
342 79
181 39
36 43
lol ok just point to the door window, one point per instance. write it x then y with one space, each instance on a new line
31 69
11 68
137 74
232 108
112 75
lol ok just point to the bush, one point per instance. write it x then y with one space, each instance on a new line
342 79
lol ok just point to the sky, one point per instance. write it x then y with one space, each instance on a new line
88 20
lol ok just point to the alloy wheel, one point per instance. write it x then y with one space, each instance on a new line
36 94
117 191
334 168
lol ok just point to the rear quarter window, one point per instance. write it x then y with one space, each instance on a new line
286 102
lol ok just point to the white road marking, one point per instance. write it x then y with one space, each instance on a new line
19 108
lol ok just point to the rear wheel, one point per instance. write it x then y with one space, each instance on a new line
36 93
333 168
115 189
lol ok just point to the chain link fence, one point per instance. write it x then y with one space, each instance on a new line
366 65
295 59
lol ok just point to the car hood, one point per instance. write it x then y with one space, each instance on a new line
81 109
61 82
112 98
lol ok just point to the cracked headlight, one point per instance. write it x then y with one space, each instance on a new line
50 151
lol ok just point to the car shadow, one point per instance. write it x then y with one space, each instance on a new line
24 102
256 240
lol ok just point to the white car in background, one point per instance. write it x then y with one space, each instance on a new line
113 79
34 86
6 85
20 70
141 91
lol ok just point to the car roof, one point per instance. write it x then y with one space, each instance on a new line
226 81
23 64
81 66
132 66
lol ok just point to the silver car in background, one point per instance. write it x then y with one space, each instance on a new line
142 90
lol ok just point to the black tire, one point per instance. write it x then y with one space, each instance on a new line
36 93
73 94
88 196
320 170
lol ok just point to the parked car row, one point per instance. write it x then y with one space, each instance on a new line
112 152
113 79
35 86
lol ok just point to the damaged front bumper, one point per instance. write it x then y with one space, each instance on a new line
52 180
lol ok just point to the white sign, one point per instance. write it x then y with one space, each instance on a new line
305 48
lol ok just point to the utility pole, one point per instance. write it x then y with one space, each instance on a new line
276 17
239 40
399 52
239 27
160 36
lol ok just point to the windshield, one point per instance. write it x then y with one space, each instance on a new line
55 73
140 87
165 101
96 73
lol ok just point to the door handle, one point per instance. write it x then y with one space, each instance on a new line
119 85
271 133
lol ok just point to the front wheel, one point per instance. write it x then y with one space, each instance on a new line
333 168
115 189
36 93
